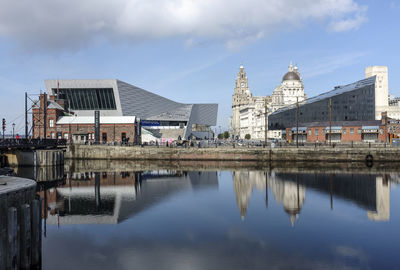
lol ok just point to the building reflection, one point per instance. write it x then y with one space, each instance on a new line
290 194
369 192
96 197
382 211
112 197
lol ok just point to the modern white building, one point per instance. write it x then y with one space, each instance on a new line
382 103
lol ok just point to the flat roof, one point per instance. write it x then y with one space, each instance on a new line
65 120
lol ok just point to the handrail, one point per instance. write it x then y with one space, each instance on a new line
31 143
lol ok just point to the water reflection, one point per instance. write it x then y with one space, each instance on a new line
79 197
112 197
370 192
234 219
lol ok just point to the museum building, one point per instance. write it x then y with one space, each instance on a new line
125 111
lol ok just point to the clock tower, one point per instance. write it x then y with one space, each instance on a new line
240 98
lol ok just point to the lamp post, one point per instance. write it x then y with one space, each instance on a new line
330 122
266 122
13 125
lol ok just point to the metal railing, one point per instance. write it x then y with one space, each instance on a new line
8 144
251 144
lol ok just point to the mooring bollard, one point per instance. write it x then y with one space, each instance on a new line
13 245
36 223
25 236
3 232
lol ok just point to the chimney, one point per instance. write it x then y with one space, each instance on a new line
384 118
61 102
43 101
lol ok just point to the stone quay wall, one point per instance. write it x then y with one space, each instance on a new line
303 154
39 157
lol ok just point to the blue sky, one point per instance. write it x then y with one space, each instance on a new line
190 51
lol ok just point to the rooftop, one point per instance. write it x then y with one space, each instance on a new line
338 90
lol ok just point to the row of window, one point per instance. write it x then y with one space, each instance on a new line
344 131
90 136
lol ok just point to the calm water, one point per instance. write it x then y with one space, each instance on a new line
244 219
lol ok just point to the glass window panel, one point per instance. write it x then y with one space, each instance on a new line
93 100
103 101
107 98
84 101
112 99
89 98
99 98
79 99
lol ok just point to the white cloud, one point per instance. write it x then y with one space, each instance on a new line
58 24
349 23
331 63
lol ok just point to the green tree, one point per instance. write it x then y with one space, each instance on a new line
220 136
226 134
247 136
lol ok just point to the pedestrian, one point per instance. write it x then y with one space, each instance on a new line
17 137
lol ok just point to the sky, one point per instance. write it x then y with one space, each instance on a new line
190 51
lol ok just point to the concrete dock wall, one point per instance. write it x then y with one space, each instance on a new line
40 157
305 154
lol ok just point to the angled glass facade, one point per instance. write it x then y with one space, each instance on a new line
355 102
88 98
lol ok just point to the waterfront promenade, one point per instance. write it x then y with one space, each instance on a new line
259 154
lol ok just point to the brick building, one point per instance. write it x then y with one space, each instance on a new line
345 131
51 120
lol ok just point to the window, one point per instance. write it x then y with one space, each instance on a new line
89 98
317 131
53 135
123 136
381 131
359 131
51 123
344 131
66 136
351 130
323 131
104 137
309 132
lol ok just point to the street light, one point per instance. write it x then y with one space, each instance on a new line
13 125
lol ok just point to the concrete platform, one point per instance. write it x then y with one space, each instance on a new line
10 184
